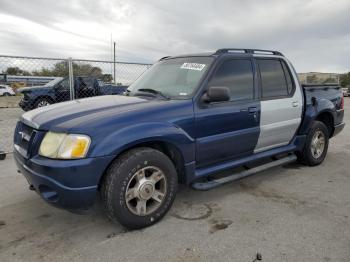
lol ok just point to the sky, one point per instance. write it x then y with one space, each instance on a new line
313 34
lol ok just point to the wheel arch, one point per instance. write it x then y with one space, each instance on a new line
324 112
326 117
168 148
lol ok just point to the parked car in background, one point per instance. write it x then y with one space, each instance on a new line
6 90
345 91
183 121
112 89
58 90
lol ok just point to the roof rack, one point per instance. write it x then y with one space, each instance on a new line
248 51
165 57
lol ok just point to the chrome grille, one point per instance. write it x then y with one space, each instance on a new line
24 135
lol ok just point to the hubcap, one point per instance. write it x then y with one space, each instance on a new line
43 103
145 191
317 144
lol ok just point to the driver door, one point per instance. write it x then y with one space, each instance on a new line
227 130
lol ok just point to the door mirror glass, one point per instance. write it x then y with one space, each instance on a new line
216 94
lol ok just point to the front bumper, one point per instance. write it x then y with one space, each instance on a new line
25 104
68 184
338 128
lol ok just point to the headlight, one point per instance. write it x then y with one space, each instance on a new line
64 146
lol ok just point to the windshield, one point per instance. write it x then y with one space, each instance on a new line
54 82
174 78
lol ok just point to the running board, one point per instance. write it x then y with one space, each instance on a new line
221 181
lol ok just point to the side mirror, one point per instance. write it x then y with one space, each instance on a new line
216 94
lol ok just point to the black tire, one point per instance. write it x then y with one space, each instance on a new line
41 102
306 156
118 178
6 94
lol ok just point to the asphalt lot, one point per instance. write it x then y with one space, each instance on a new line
8 120
291 213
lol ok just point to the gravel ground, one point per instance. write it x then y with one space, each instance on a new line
8 120
291 213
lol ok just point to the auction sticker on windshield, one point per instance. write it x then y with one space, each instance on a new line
193 66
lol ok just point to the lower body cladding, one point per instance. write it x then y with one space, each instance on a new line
338 128
70 184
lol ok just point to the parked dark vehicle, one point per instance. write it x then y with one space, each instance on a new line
186 119
111 89
58 91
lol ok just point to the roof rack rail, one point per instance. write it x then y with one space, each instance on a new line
165 57
247 51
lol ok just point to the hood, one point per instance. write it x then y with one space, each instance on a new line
33 88
75 114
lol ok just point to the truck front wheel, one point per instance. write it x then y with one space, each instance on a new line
316 146
139 188
41 102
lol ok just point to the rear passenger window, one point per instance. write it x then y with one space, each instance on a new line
273 80
237 76
290 85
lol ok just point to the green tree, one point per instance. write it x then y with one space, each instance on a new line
330 80
59 69
345 79
312 79
107 78
79 69
16 71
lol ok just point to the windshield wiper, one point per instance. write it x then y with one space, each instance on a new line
153 91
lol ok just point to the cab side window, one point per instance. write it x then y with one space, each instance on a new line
276 80
237 76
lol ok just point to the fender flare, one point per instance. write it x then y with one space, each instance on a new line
312 112
143 133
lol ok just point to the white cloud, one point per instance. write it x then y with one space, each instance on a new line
315 34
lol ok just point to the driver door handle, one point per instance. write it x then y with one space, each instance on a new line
252 110
295 104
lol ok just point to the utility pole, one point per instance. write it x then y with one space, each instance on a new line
115 82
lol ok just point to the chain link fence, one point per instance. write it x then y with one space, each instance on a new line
27 83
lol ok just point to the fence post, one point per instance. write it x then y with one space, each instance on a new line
115 82
71 78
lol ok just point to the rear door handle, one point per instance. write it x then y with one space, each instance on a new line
295 103
253 111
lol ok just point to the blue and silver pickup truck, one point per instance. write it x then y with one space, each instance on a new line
183 121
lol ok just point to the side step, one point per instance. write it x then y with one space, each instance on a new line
224 180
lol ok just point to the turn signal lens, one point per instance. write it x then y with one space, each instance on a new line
74 146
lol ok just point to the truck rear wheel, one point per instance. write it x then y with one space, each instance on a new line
139 188
316 146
